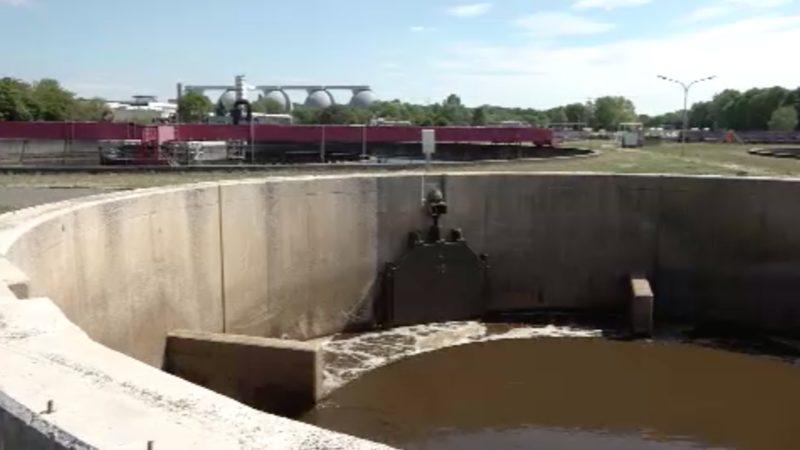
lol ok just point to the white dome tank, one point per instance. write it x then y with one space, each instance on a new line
279 97
320 99
228 98
363 99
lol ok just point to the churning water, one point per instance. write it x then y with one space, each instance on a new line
567 393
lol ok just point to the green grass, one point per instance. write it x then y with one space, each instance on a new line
717 159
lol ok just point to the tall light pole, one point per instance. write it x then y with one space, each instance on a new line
686 88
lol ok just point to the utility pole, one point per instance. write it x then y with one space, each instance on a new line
686 88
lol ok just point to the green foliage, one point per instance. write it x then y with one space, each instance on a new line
267 106
557 115
734 110
46 100
337 114
479 118
54 102
16 102
90 110
783 119
219 110
700 115
609 112
578 112
194 107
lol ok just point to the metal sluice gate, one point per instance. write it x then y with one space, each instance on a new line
438 279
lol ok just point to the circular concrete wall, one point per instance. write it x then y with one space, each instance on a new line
301 257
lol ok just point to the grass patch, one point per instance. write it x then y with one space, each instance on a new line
697 159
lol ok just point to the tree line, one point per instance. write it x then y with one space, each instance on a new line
774 108
47 100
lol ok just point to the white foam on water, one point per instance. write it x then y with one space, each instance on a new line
349 357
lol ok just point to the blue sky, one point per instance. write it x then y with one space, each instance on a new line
537 53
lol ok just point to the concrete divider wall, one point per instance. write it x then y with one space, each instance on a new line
272 375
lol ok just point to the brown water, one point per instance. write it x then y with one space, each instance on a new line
575 394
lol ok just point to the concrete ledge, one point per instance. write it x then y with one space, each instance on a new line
641 307
105 400
275 376
15 279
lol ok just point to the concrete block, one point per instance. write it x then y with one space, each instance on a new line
15 279
275 376
641 307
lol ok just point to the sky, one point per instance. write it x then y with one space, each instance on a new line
525 53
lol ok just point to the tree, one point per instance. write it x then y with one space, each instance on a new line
267 106
577 113
16 102
337 115
556 115
700 115
90 110
54 103
194 107
452 100
611 111
722 109
479 118
783 119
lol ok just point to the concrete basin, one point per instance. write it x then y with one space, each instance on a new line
92 287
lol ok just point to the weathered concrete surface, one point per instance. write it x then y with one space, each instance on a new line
271 375
557 241
105 400
14 279
130 268
300 255
18 197
641 306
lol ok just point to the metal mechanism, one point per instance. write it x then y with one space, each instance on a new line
438 279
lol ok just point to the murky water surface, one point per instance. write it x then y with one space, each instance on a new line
575 394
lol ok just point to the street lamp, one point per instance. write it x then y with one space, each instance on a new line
686 88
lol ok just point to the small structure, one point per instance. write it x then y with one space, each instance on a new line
438 279
631 134
143 109
641 306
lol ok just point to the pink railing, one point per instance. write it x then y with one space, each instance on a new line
87 131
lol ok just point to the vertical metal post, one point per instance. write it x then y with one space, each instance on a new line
22 153
178 100
364 143
322 146
686 88
685 118
252 142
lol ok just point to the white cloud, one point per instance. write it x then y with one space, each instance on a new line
15 2
721 8
608 4
543 75
471 10
551 24
706 13
417 28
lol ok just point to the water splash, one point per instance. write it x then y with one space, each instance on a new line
347 357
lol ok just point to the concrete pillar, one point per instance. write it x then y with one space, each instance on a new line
274 376
641 307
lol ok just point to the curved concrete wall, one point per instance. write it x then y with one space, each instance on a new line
301 257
